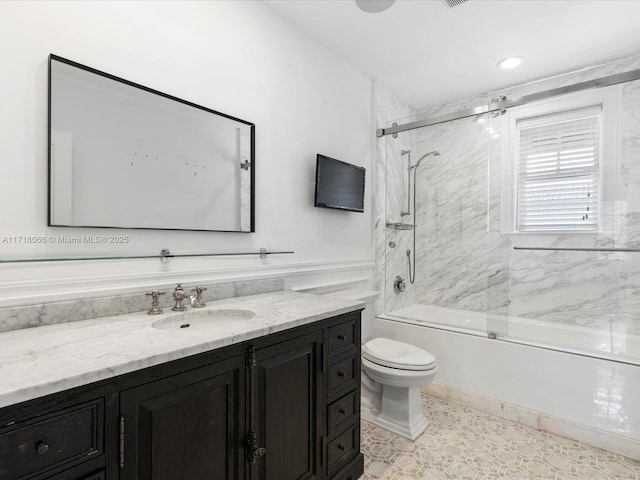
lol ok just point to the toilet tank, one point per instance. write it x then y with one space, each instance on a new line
368 315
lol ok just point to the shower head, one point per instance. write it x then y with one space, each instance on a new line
434 154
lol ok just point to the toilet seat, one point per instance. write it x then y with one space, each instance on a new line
401 356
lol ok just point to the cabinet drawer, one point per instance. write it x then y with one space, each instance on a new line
342 412
342 337
342 374
342 448
53 441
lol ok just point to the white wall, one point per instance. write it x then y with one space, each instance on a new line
234 57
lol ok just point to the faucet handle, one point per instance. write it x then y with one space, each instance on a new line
197 301
155 308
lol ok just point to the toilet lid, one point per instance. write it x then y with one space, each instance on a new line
394 354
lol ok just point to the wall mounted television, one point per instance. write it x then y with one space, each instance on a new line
339 185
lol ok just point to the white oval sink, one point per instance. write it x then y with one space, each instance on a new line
204 320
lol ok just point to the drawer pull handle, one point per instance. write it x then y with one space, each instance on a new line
341 374
342 411
341 447
341 337
255 452
42 448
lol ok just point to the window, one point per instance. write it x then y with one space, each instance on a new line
562 163
558 172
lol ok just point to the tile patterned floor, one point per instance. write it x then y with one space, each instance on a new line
462 443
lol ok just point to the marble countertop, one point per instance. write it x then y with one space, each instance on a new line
39 361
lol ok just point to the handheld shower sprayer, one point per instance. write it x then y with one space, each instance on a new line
412 268
404 213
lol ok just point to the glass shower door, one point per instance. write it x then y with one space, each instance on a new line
567 287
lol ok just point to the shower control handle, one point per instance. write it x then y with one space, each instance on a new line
399 285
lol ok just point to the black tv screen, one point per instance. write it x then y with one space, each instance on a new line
339 185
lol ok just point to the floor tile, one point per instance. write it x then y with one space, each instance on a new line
462 443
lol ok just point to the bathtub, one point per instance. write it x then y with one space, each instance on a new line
611 344
584 385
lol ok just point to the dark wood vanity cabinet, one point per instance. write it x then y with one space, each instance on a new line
342 417
285 411
285 406
185 426
59 441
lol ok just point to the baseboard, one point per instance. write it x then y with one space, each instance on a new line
626 446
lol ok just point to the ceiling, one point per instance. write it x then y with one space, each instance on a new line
429 53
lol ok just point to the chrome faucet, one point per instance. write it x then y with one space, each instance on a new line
179 295
155 304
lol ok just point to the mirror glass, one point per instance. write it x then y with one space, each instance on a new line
123 155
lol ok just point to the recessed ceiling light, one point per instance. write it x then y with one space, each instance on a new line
510 62
374 6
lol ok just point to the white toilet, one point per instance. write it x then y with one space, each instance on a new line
392 375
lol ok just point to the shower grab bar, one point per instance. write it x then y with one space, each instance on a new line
568 249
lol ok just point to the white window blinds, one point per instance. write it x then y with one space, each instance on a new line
558 172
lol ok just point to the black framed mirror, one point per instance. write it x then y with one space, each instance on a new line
122 155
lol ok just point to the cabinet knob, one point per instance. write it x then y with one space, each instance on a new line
342 411
42 448
341 374
341 447
341 337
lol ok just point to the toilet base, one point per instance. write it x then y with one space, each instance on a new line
400 412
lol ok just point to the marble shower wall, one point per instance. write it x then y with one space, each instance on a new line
465 257
390 198
592 289
452 216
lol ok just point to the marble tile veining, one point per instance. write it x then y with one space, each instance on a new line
28 316
253 287
465 254
52 358
390 198
463 443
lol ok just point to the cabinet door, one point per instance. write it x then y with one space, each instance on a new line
187 426
285 403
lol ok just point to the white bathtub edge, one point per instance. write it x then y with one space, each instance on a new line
611 442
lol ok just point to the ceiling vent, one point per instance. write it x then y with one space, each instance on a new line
454 3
